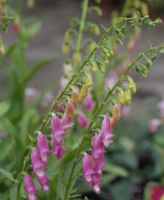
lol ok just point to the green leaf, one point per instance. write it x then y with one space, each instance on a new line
116 170
7 175
144 61
4 106
35 69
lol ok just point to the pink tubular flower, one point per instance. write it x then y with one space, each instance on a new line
58 150
83 120
67 122
57 129
44 182
92 170
106 131
89 103
37 164
43 147
93 165
97 146
30 188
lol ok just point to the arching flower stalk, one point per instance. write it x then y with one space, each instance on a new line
91 145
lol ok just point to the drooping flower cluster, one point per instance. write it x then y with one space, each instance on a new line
94 163
39 159
60 127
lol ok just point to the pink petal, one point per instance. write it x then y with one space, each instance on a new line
42 143
83 121
89 103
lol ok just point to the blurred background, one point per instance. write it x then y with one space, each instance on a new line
55 16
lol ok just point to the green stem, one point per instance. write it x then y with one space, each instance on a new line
82 26
69 183
55 102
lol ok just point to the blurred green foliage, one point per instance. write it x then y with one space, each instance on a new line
18 119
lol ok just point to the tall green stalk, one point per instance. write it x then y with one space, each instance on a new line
82 26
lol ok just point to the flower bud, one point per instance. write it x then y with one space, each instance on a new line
89 103
83 120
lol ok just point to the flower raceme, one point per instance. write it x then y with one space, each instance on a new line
60 127
39 159
94 163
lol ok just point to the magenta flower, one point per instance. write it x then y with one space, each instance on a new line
43 147
157 193
106 131
94 164
89 103
58 150
30 188
83 120
57 129
37 164
44 182
92 172
67 122
97 146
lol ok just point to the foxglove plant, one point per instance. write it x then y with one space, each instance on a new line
79 101
94 160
